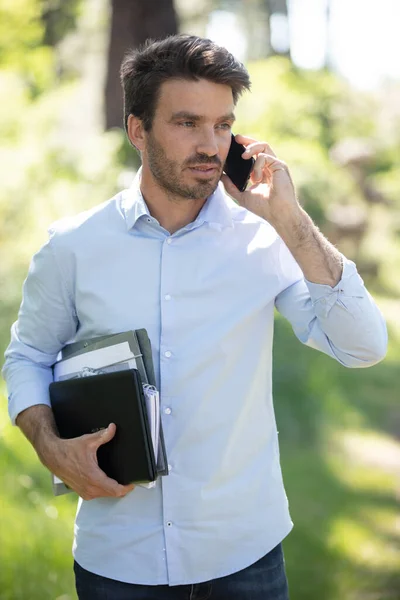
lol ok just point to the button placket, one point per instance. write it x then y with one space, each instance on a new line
167 275
167 355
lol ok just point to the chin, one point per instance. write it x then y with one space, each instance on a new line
210 182
205 190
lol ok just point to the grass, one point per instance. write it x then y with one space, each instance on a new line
339 437
36 529
339 432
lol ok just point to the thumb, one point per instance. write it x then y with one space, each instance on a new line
104 435
231 188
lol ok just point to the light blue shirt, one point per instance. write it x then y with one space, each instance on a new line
206 296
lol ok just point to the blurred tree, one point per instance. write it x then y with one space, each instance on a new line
132 23
255 16
328 15
58 17
278 14
265 23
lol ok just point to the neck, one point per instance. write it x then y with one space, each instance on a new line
171 212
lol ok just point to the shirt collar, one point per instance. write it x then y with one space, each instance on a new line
216 211
133 203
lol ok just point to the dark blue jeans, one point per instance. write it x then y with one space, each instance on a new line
264 580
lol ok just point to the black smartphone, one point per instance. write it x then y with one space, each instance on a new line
237 168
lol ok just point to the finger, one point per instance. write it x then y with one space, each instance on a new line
258 169
256 148
249 141
265 166
244 139
102 485
103 436
253 180
128 488
269 149
92 482
273 163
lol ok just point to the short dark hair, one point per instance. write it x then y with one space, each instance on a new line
175 57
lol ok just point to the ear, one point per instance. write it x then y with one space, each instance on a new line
136 133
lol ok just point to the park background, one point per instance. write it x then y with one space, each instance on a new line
326 95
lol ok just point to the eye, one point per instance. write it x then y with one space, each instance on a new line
187 124
225 126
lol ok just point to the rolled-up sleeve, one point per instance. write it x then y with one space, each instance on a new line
46 321
342 321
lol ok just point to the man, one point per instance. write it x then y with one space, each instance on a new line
202 274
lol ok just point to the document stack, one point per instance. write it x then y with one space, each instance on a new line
110 379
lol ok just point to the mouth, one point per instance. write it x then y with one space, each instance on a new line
204 169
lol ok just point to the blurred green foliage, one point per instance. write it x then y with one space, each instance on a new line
21 46
342 501
342 149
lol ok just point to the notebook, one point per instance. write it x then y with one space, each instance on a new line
87 404
140 346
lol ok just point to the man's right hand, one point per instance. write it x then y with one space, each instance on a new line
74 461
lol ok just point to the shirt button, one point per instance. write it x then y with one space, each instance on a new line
169 467
167 297
169 241
169 523
167 410
168 354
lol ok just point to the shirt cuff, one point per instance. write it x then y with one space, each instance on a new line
324 297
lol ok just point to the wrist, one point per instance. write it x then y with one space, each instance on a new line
319 261
293 225
38 425
48 447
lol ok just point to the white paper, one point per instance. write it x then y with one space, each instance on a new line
153 411
112 358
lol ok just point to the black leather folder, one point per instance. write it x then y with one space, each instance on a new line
87 404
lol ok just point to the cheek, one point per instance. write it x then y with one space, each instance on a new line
224 149
179 148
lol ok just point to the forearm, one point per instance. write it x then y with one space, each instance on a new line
75 460
318 259
38 425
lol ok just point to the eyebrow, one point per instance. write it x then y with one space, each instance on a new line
183 114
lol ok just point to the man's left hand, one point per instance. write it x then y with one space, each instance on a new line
272 195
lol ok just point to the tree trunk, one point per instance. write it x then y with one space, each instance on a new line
328 56
132 23
280 7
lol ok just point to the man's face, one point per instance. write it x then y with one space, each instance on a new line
190 137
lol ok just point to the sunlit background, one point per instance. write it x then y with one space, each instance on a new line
326 95
356 38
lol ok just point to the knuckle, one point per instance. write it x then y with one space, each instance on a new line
91 492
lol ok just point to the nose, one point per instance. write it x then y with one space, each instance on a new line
207 143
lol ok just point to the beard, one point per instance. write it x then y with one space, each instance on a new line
168 173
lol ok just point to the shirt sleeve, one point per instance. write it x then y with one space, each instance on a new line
46 322
342 321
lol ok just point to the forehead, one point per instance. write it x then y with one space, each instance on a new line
202 97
